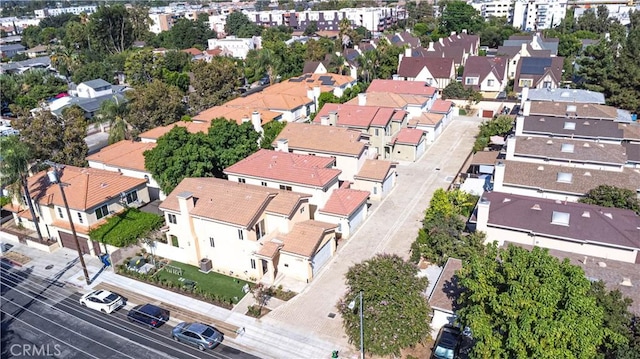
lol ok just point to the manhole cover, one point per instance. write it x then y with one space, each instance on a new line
332 315
49 266
448 179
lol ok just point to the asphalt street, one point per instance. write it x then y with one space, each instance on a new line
43 319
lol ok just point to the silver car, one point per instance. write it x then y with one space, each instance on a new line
201 335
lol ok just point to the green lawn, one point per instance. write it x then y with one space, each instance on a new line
214 283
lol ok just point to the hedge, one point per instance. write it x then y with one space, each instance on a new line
126 228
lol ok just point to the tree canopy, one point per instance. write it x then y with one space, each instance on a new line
238 24
213 83
111 29
611 196
458 15
180 154
395 309
154 104
528 304
499 126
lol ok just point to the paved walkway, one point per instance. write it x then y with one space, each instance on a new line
391 228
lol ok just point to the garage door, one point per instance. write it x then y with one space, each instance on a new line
358 217
321 258
68 242
487 113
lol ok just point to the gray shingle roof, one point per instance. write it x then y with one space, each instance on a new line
97 83
566 95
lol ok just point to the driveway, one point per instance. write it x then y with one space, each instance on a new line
390 228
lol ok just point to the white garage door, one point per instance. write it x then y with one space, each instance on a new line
420 150
321 258
356 219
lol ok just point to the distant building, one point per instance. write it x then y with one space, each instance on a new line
160 23
533 15
9 51
76 10
237 47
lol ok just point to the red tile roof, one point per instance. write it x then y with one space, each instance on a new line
401 87
344 202
305 237
236 114
124 154
376 170
191 126
441 106
322 139
192 51
86 187
427 119
410 136
287 167
356 116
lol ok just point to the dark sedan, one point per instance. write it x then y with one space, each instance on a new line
148 314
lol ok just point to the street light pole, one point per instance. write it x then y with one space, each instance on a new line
54 177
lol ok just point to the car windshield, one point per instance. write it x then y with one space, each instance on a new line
444 353
110 298
209 333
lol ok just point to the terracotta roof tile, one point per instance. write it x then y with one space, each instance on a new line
191 126
298 86
86 187
269 101
192 51
398 116
322 139
124 154
305 237
441 106
236 114
426 119
401 87
376 170
545 176
225 201
344 202
287 167
286 202
350 115
410 136
393 100
270 248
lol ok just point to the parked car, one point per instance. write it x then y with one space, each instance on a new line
102 300
148 314
201 335
447 345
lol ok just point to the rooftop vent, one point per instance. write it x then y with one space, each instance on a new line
536 207
586 214
626 282
540 168
541 119
586 145
588 174
549 142
586 123
103 185
602 264
609 215
506 200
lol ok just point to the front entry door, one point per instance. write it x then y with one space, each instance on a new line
265 266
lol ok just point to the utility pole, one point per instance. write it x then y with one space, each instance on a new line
54 177
361 329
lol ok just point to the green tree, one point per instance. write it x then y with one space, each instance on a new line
186 33
31 36
271 131
180 154
238 24
499 126
75 149
138 16
27 90
177 61
213 83
110 29
114 112
91 71
154 104
142 67
458 15
395 309
311 28
15 160
528 304
611 196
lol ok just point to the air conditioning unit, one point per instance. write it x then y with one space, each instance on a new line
205 265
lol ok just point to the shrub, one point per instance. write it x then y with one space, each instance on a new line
125 228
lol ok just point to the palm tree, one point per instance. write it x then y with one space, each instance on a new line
65 60
14 168
114 112
270 63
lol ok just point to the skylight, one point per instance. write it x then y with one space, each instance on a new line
564 177
571 108
567 147
560 218
569 125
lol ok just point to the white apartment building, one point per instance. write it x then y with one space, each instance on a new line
533 15
76 10
494 8
618 12
237 47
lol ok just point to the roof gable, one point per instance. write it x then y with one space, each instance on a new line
322 139
345 202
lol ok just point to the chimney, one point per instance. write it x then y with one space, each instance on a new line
482 214
526 108
441 41
511 147
407 52
333 118
282 145
431 48
453 33
523 49
185 202
395 77
519 125
310 94
256 121
498 177
353 72
464 31
362 99
245 119
324 120
316 92
524 96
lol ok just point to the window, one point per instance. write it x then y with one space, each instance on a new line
60 214
567 148
253 264
172 218
240 234
546 84
264 184
375 190
260 230
102 211
212 242
377 132
471 81
569 125
302 209
285 188
174 241
560 218
525 82
132 197
80 220
490 82
564 177
242 180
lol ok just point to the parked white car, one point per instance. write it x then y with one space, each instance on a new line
102 300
